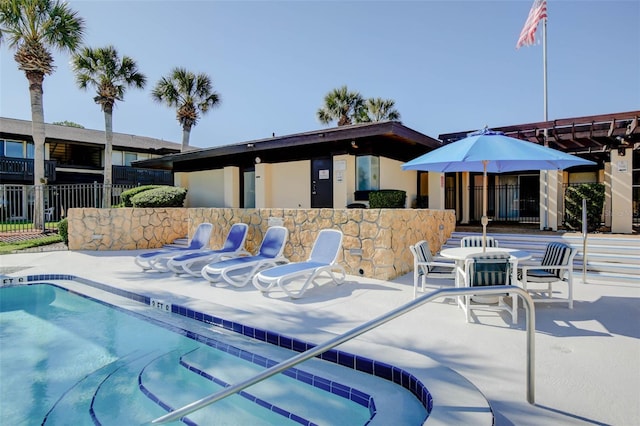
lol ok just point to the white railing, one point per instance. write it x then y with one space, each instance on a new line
370 325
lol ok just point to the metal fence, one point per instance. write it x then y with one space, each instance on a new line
506 203
16 203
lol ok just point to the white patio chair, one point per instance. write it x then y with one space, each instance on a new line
48 214
424 265
556 266
324 254
488 269
476 241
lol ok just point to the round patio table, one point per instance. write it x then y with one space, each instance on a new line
459 254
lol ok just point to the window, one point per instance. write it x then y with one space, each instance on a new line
30 150
130 157
116 158
367 173
13 149
249 189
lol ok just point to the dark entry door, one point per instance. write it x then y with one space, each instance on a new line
529 198
321 183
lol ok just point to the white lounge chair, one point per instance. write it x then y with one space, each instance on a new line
192 263
238 271
322 259
157 259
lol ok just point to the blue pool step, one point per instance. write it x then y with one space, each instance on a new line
176 380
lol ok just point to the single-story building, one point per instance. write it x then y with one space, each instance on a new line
338 167
328 168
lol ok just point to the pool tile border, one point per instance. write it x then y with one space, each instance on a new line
346 359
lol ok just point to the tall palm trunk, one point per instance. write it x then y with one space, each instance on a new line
108 155
186 132
37 128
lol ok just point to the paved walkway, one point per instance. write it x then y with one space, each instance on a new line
586 359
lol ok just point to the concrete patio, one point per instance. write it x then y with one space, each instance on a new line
586 359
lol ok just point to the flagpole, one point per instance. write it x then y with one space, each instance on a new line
546 118
544 67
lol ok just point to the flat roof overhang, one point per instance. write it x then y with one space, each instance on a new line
389 139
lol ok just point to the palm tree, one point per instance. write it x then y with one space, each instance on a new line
379 109
103 69
343 106
33 28
192 95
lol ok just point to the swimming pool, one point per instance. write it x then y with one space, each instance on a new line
72 360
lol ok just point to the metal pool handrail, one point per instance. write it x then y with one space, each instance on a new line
376 322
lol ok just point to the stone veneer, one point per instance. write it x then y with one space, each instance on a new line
376 241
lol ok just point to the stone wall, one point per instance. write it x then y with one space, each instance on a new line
125 228
376 241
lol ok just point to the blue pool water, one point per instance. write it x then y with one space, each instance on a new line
67 360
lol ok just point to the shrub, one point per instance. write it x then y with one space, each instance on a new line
387 199
594 193
164 196
63 230
125 197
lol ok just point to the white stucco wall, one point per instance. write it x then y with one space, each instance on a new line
621 192
393 177
290 185
205 188
583 177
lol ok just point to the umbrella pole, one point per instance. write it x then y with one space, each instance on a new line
484 220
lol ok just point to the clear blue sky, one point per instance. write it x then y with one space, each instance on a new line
449 65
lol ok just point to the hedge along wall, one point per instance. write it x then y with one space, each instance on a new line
376 241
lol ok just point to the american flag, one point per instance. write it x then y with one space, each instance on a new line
537 13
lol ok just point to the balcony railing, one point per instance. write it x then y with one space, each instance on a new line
125 175
22 169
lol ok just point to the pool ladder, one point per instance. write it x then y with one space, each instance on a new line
370 325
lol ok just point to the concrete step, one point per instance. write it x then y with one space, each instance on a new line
179 242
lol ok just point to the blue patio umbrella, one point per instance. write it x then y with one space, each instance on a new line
490 151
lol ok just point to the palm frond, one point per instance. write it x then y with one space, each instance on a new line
191 94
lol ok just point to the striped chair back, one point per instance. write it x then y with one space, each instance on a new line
476 241
556 254
423 254
489 269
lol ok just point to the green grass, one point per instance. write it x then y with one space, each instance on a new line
18 226
6 248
